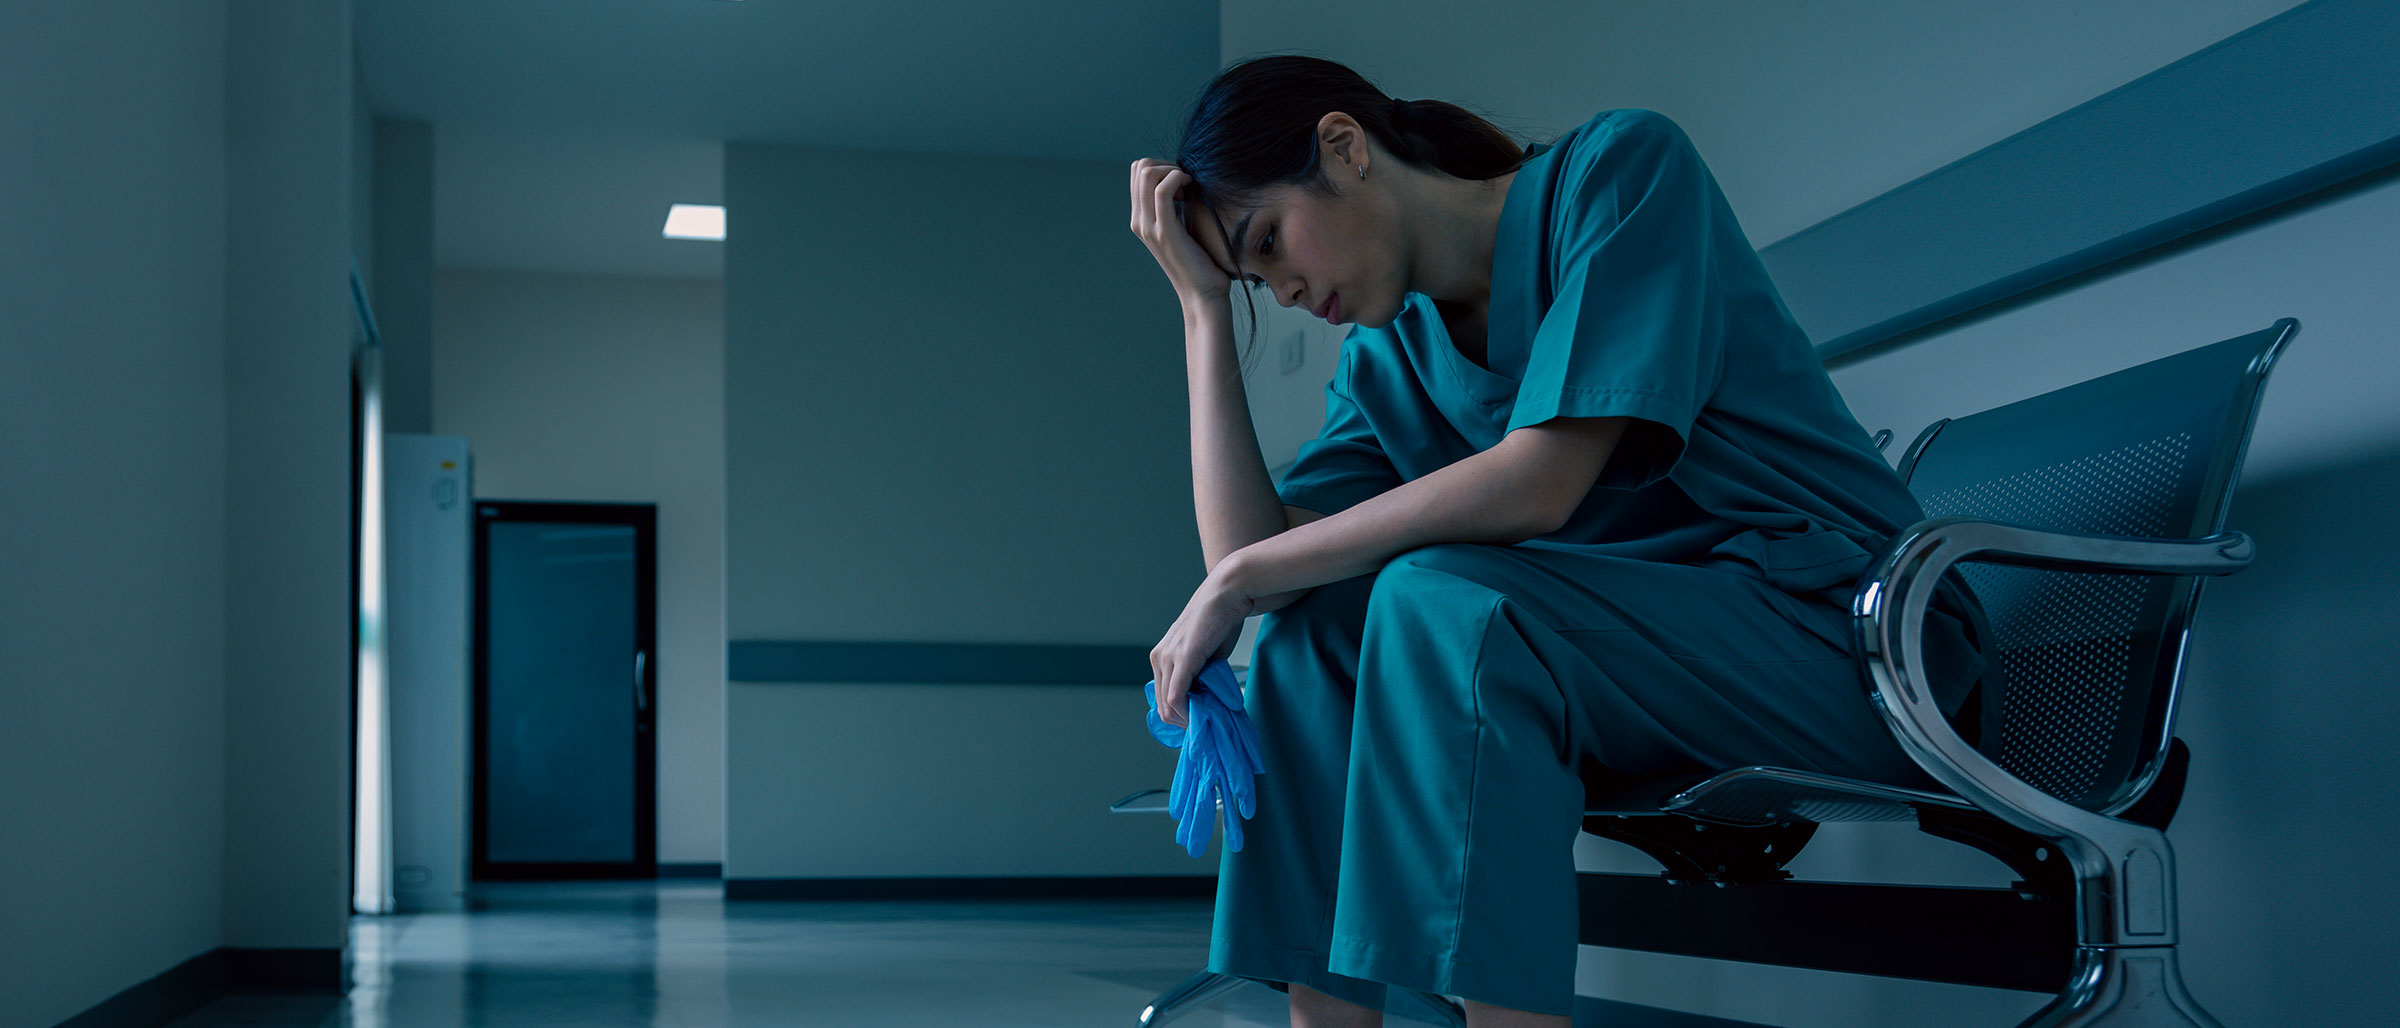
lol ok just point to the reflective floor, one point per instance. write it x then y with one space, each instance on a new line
676 954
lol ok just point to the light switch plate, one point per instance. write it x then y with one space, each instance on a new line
1295 351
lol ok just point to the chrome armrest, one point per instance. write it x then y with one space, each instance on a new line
1970 539
2127 870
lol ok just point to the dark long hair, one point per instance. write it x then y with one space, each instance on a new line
1255 127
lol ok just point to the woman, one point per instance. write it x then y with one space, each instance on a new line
1584 497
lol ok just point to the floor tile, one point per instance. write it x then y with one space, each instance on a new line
674 954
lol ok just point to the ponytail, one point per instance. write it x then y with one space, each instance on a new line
1447 137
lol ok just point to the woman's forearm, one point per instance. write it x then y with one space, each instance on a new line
1525 486
1233 498
1496 496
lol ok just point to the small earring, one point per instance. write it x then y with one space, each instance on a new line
1362 172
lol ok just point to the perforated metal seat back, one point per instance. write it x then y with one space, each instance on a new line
2089 662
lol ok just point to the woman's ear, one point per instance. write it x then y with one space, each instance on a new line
1341 144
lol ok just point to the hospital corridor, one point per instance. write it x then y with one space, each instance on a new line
1199 513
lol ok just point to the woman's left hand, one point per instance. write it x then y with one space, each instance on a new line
1205 631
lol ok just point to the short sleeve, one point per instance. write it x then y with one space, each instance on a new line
1629 330
1344 465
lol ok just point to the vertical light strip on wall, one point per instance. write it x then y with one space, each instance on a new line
372 893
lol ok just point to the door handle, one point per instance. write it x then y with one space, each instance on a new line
641 693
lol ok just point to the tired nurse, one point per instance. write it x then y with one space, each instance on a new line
1584 497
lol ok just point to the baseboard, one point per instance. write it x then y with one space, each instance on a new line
321 971
186 987
1059 887
223 971
706 870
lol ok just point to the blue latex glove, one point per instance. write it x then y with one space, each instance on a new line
1220 759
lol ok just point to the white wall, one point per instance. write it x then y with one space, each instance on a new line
839 780
361 164
290 328
1802 108
2281 676
174 528
611 389
402 215
955 412
112 513
1287 405
1806 109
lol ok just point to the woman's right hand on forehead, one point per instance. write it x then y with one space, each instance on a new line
1157 220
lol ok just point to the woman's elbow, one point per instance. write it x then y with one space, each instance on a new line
1268 604
1532 520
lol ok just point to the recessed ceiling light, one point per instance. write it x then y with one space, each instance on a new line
695 221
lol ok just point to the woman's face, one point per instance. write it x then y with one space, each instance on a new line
1337 257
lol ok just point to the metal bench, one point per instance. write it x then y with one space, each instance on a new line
2085 520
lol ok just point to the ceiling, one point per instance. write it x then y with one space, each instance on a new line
563 128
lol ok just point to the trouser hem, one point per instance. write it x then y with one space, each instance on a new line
1443 975
1295 966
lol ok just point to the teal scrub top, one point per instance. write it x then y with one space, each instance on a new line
1622 285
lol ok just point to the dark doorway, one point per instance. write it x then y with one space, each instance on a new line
566 698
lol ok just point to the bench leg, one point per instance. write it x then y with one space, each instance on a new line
2124 987
1178 1001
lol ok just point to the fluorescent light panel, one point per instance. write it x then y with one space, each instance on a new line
695 221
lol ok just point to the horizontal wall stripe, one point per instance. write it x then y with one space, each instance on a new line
1050 887
2302 101
763 660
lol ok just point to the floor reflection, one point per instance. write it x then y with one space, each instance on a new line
674 954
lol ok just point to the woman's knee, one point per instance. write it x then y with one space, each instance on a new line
1422 582
1434 618
1326 616
1313 641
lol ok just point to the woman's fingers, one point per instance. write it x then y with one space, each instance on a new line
1156 219
1145 178
1147 174
1163 206
1165 196
1181 692
1158 683
1169 689
1172 690
1141 195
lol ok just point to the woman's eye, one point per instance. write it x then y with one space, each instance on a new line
1266 244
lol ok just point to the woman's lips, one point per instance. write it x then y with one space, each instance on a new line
1332 308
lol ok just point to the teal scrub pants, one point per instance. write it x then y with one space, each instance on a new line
1423 729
